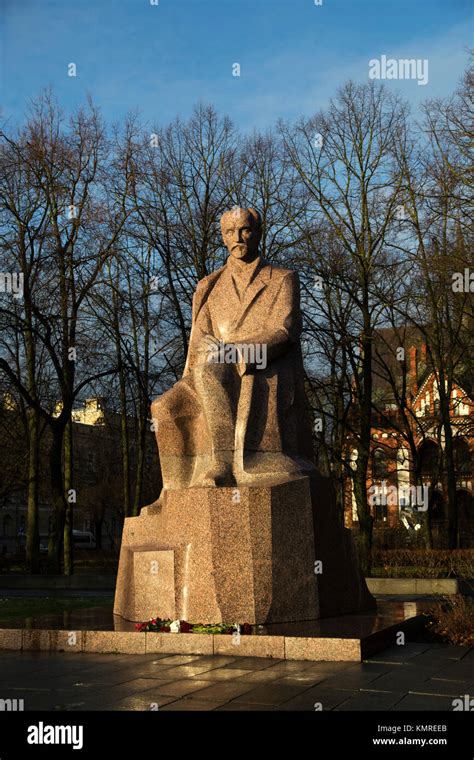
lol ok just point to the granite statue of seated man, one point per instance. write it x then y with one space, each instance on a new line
238 415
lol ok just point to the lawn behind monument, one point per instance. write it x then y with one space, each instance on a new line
25 607
423 563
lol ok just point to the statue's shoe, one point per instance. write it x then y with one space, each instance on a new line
219 475
272 467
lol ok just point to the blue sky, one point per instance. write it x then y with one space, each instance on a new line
162 59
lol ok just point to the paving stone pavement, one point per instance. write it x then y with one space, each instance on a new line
415 676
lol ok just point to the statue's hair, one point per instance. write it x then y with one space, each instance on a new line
251 212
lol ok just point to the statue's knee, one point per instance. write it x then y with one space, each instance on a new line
179 401
163 406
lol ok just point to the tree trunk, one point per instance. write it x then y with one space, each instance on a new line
363 448
70 501
424 517
32 526
140 464
124 442
452 512
364 536
59 503
453 537
32 417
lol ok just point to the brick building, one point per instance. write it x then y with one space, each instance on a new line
398 499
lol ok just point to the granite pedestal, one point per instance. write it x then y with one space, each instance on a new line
268 554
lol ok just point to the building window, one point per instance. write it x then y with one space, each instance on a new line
437 507
7 526
404 500
379 465
381 510
462 457
427 404
381 513
429 455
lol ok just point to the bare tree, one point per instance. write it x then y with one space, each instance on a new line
345 160
80 209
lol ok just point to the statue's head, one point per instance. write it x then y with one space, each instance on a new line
242 230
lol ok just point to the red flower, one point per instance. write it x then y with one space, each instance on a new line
245 629
185 627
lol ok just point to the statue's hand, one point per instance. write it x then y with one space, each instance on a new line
210 347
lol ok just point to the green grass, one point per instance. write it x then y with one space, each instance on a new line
410 571
12 607
91 564
423 563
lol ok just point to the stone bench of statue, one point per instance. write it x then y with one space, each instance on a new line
238 414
